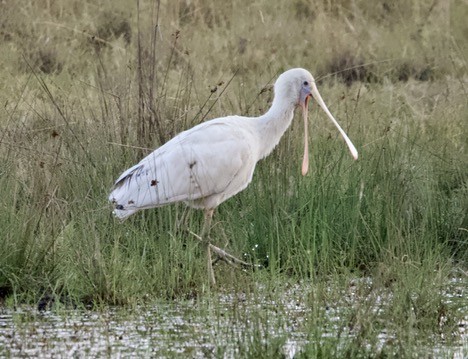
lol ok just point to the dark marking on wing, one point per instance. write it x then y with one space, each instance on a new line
154 182
131 202
192 164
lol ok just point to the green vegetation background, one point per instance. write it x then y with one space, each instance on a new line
87 88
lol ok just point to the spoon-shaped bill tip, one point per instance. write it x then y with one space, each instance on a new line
305 165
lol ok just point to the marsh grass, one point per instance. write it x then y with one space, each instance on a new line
86 95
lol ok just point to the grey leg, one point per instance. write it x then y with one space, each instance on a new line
206 238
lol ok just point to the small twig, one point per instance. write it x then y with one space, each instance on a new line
320 78
220 94
86 34
130 146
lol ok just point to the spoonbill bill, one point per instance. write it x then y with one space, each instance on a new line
213 161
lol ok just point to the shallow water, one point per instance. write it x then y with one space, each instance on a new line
184 328
222 326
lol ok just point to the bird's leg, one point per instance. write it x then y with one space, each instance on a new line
206 239
222 254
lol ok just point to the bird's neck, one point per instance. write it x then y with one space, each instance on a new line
273 124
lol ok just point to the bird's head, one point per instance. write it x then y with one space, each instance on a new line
294 86
297 87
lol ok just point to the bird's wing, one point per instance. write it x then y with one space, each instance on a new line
196 164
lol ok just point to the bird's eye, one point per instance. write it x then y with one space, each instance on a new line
305 83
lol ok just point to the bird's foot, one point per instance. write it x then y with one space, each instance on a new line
225 256
229 258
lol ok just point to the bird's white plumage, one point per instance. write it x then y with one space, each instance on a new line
214 160
202 167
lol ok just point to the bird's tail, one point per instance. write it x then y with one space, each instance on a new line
122 195
123 214
120 211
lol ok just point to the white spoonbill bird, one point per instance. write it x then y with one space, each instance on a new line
213 161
